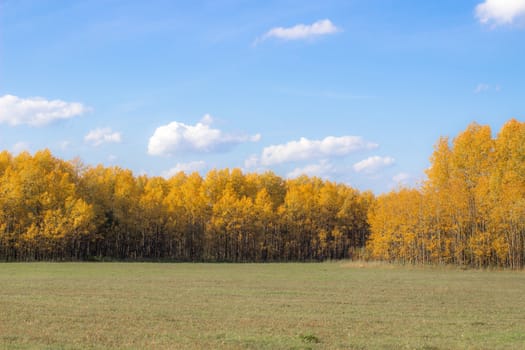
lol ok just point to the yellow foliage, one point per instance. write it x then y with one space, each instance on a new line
470 210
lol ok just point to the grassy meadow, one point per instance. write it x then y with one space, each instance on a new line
258 306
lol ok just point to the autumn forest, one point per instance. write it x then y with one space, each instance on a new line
470 210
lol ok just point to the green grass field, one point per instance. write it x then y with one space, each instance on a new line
258 306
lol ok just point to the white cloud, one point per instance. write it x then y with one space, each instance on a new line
251 162
64 145
481 88
178 137
185 167
207 119
301 31
500 12
20 147
322 169
36 111
102 135
486 87
373 164
401 178
306 149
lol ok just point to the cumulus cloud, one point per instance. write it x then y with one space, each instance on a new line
251 162
322 169
207 119
99 136
178 137
20 147
500 12
301 31
36 111
373 164
306 149
185 167
401 178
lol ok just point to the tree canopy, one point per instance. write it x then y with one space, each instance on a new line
52 209
469 211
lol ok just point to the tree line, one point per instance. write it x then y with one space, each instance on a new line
51 209
469 211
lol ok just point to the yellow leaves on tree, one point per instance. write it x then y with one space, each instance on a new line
471 207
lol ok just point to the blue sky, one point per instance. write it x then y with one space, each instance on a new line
355 91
